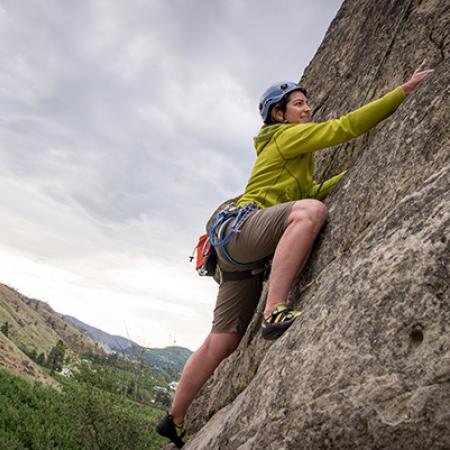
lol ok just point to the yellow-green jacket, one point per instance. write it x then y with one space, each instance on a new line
284 167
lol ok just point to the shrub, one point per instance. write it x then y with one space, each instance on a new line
79 417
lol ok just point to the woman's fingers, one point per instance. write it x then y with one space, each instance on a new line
424 73
421 71
422 66
419 75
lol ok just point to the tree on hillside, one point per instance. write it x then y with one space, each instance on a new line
56 357
41 359
33 354
137 370
5 329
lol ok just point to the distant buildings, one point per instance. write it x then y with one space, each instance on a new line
160 390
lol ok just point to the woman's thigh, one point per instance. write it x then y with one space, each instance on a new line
260 233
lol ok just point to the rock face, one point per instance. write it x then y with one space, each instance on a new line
367 365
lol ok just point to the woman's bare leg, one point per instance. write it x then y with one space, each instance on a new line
199 367
294 248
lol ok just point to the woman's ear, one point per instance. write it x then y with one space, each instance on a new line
277 114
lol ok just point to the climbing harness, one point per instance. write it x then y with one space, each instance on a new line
233 219
225 216
216 240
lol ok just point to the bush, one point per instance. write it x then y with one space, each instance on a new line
33 417
80 417
110 422
5 329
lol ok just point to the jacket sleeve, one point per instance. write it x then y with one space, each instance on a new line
297 139
321 190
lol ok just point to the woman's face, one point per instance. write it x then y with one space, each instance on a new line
297 108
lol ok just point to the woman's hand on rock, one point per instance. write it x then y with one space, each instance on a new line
418 76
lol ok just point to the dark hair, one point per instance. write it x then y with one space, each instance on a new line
282 106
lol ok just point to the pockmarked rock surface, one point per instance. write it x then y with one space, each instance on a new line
367 365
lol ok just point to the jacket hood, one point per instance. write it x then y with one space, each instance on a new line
264 136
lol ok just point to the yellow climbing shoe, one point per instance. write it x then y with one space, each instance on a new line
278 322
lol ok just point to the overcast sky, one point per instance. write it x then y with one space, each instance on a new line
123 124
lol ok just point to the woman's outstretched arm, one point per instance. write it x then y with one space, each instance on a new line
297 139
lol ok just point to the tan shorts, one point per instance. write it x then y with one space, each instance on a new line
257 239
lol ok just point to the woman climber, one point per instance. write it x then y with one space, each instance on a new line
283 216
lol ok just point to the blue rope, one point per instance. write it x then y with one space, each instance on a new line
219 228
235 263
223 217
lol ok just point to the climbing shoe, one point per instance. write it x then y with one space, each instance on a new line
167 428
278 322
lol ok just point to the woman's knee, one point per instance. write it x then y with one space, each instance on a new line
221 343
310 210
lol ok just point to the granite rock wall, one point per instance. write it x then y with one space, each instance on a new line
367 365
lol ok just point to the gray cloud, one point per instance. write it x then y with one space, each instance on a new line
124 124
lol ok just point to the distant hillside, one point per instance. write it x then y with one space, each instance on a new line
16 361
165 362
34 325
112 343
169 361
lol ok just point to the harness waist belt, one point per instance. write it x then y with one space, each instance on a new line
242 275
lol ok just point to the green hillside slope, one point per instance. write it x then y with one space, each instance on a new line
34 325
